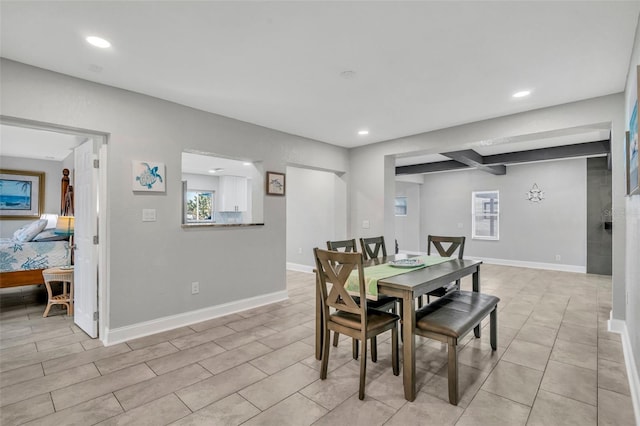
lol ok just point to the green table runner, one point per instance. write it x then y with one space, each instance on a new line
378 272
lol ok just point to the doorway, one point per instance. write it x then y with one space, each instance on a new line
89 150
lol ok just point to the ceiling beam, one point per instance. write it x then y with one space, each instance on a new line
551 153
475 160
439 166
498 161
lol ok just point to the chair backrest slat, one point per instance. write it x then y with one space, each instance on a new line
455 243
343 245
373 247
334 268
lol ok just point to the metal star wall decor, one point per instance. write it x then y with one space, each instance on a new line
535 194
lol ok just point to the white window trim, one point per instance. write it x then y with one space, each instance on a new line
473 217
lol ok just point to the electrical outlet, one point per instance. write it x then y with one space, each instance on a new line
365 224
558 258
300 250
460 225
195 287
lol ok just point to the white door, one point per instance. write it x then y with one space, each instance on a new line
86 253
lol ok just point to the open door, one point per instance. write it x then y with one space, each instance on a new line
86 252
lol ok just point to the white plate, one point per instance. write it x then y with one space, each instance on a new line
406 263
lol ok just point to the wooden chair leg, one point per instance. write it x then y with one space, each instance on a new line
354 348
453 372
420 303
494 328
394 351
363 370
46 311
325 355
374 349
336 336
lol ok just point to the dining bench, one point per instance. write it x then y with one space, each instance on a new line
450 318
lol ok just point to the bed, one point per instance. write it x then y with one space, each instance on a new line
22 262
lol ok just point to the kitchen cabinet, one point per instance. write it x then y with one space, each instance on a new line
233 194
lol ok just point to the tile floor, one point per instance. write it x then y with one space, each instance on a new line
556 364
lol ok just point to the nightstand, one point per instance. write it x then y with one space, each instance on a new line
63 275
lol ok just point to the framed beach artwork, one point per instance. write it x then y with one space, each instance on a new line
275 183
21 194
148 176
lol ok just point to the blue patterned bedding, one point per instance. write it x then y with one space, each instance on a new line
18 256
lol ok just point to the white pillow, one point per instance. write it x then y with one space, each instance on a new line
51 219
50 235
30 230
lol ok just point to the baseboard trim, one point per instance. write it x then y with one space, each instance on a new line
299 267
620 327
533 265
134 331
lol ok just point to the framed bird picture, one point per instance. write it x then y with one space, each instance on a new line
275 183
148 176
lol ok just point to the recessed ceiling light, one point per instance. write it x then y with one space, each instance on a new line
246 163
212 171
522 94
98 42
363 132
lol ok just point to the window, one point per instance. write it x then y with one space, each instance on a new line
401 206
485 215
199 206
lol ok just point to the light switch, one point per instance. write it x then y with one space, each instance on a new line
365 224
148 215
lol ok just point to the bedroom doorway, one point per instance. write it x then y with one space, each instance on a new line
90 238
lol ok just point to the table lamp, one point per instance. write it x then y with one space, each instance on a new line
65 226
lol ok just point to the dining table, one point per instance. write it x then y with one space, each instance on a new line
407 285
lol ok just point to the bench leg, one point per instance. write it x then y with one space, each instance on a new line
494 328
453 371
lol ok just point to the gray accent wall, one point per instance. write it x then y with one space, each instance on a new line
151 265
599 215
529 231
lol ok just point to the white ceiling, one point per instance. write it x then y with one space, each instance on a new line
415 66
38 144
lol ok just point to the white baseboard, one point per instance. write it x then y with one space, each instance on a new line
620 327
134 331
299 267
534 265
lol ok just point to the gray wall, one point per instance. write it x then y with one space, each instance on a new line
316 212
52 178
529 232
152 264
408 227
629 215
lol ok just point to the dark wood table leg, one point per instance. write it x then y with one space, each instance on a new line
408 346
318 324
476 287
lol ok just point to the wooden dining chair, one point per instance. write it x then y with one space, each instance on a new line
352 318
384 303
348 246
452 244
373 247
